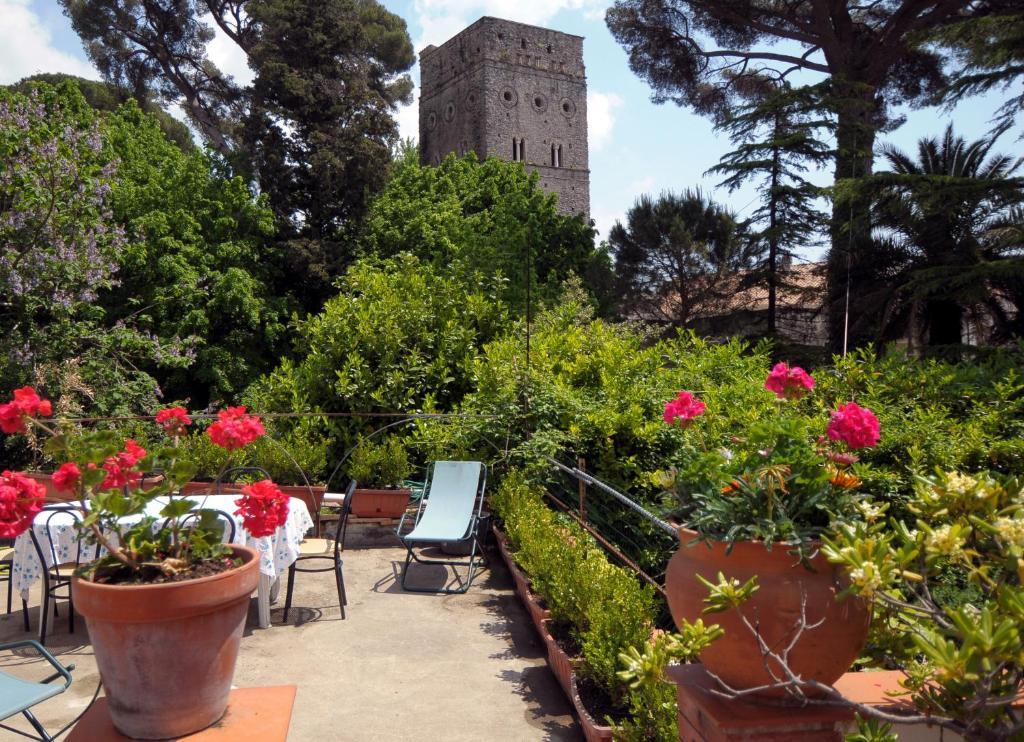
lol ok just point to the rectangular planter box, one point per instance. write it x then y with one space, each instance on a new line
382 503
538 614
561 664
592 731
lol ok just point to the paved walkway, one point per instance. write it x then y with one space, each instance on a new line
403 666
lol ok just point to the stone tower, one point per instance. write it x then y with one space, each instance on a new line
504 89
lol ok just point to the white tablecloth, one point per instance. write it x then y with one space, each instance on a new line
277 552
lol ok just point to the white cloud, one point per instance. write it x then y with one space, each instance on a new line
442 19
227 55
408 118
26 46
601 117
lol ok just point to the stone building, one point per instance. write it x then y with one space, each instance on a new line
504 89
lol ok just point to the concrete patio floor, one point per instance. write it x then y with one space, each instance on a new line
401 666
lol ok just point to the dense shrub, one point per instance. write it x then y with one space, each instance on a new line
604 607
400 336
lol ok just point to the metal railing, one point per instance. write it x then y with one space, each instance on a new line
628 531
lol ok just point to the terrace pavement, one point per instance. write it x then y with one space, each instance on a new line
401 666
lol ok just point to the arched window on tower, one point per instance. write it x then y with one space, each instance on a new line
522 150
559 157
553 162
515 149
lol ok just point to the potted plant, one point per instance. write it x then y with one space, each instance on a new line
166 605
380 470
754 512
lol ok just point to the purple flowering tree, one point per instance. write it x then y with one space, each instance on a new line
59 247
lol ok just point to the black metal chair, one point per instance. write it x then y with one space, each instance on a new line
321 549
229 522
7 575
56 576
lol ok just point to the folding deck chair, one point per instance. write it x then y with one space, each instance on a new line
449 511
19 696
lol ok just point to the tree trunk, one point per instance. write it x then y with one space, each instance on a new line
850 270
944 322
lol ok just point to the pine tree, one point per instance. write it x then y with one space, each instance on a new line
775 134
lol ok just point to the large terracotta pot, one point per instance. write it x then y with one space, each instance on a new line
166 653
380 503
822 653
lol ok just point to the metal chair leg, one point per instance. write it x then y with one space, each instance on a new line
10 591
288 594
71 613
44 615
24 613
340 580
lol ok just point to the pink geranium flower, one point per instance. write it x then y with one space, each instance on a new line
174 421
684 408
856 426
20 499
235 428
789 383
26 403
263 508
65 479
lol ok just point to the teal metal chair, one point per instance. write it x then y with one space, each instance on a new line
448 512
18 696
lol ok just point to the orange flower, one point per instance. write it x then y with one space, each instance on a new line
843 479
733 486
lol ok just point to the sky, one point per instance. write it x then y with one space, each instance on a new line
636 146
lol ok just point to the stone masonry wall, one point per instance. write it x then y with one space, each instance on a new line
499 81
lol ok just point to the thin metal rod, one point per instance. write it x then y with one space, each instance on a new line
609 546
634 506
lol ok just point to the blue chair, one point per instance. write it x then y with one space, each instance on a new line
18 696
448 512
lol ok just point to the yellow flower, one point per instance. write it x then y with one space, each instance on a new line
944 540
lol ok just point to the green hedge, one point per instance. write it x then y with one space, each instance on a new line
605 608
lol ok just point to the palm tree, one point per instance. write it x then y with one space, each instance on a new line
946 223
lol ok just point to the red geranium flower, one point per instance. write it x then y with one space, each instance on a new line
20 499
173 420
263 508
65 479
235 429
683 409
788 383
26 403
854 425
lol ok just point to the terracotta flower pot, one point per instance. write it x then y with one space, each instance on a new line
561 664
382 503
822 653
52 495
592 731
166 652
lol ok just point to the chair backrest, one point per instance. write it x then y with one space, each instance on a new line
451 497
229 522
346 509
47 548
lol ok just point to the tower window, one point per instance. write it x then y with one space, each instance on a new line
515 149
522 150
556 155
522 43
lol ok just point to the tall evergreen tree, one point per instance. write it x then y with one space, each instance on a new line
991 51
775 134
673 255
870 54
315 127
